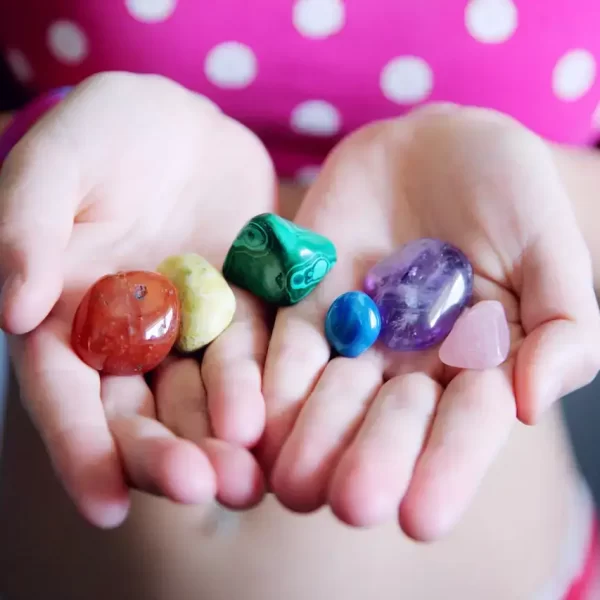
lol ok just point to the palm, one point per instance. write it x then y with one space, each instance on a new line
395 431
163 207
464 210
147 187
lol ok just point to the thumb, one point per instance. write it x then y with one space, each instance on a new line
560 316
38 198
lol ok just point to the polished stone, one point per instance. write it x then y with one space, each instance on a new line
127 323
480 338
352 324
207 301
277 260
420 291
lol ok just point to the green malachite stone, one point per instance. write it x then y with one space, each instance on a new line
278 261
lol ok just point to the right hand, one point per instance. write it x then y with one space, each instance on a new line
398 434
125 171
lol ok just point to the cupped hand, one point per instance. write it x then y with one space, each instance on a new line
126 171
392 434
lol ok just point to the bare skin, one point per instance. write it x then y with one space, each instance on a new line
506 547
517 524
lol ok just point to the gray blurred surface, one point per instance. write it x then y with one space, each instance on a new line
582 413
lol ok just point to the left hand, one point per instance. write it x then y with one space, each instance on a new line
125 171
399 433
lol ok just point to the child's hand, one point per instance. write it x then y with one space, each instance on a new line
126 171
399 434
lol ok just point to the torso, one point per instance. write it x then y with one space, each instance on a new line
507 547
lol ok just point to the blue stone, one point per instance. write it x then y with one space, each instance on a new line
352 324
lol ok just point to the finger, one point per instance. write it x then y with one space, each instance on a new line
473 421
39 193
155 460
232 370
62 395
375 470
181 399
298 353
324 428
240 481
559 313
182 406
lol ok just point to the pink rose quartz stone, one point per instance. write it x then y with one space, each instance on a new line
480 338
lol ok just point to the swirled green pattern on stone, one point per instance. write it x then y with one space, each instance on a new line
277 260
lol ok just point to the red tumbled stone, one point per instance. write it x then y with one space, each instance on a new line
127 323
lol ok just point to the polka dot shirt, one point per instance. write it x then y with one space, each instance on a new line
303 73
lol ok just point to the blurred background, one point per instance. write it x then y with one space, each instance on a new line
582 411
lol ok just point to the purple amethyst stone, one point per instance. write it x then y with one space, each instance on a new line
420 291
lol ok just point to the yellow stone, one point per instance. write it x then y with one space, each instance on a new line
207 301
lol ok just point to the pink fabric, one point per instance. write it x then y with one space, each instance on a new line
535 60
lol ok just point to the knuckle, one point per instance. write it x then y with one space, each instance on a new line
446 123
107 81
369 135
248 143
296 355
366 150
475 124
30 157
254 169
349 379
31 151
469 116
127 92
101 79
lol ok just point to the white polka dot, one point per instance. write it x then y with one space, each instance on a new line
491 21
231 65
307 175
316 117
406 80
19 65
151 11
319 18
573 75
67 42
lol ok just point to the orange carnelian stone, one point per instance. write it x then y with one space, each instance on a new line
127 323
